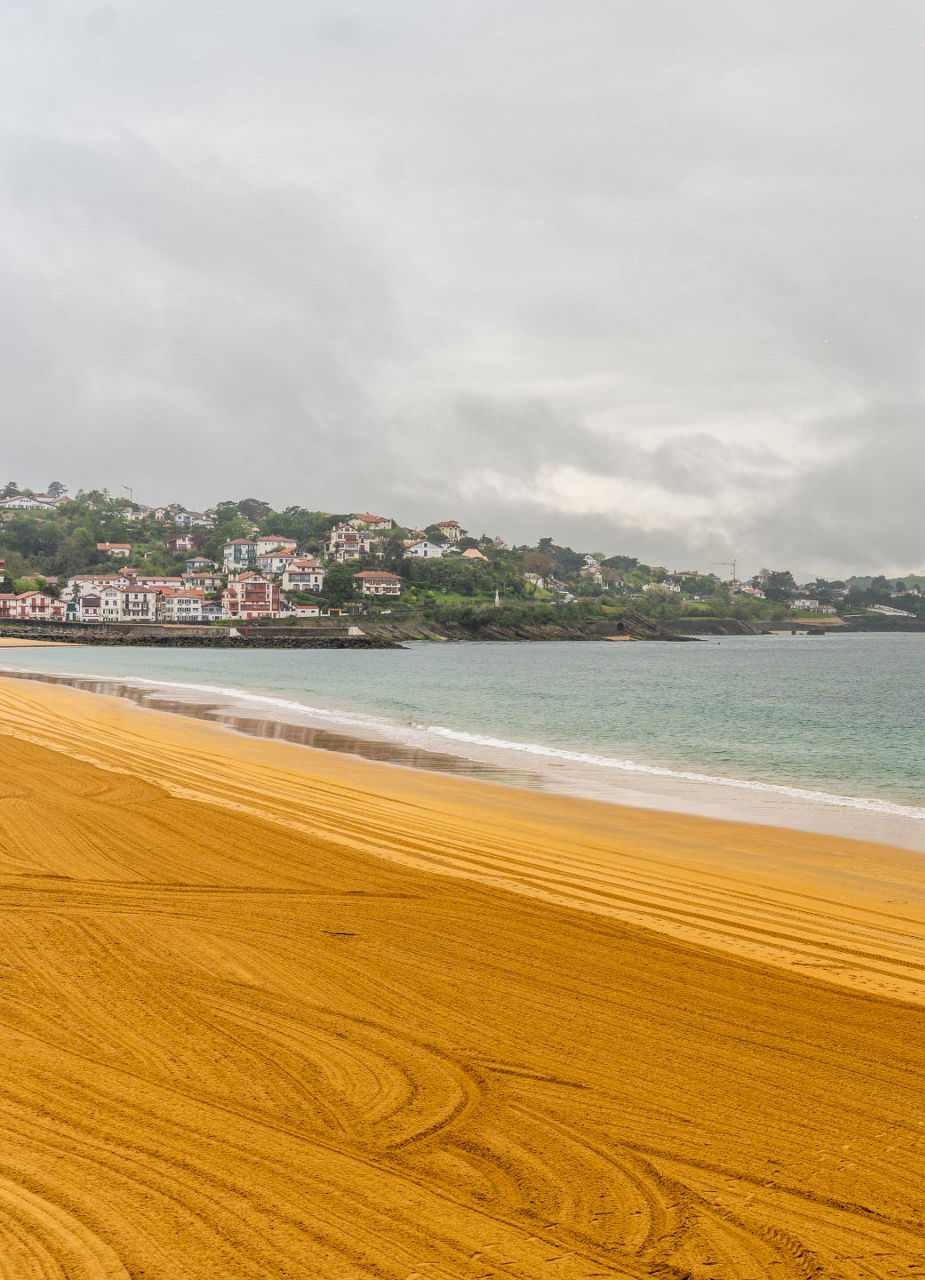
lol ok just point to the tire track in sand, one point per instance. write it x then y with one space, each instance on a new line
236 1044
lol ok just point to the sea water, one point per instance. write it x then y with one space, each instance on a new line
769 728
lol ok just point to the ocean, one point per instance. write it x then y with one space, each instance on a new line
820 732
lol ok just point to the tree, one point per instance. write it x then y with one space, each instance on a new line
536 562
10 489
779 584
393 551
338 584
56 489
295 522
254 508
567 560
623 564
823 591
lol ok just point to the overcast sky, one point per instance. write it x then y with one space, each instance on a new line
647 278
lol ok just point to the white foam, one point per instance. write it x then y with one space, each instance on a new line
870 805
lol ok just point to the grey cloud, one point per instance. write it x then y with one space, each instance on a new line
203 318
359 257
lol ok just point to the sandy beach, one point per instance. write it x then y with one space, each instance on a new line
14 642
273 1012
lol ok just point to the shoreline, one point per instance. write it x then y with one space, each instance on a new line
279 1013
676 791
453 824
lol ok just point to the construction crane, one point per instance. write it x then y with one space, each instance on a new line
727 564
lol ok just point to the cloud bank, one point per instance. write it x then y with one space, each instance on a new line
642 277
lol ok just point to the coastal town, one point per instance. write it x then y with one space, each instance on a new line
95 558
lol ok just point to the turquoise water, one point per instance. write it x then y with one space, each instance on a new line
842 715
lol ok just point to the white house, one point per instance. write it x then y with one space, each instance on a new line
266 545
273 562
303 575
194 520
27 502
239 554
810 605
206 582
347 543
110 603
375 582
38 606
138 603
118 550
424 549
81 583
153 582
250 596
88 608
365 520
181 606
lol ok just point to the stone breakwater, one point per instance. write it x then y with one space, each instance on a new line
173 637
367 634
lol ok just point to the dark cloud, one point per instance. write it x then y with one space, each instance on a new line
645 277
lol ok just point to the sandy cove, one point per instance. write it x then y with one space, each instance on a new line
270 1012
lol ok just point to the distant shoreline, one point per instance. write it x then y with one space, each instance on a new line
366 633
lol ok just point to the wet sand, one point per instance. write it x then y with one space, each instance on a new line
13 642
798 810
271 1012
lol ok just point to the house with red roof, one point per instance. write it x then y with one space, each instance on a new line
303 575
375 582
184 605
452 530
365 520
347 543
250 596
38 606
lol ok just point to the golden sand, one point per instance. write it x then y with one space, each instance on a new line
268 1012
14 642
